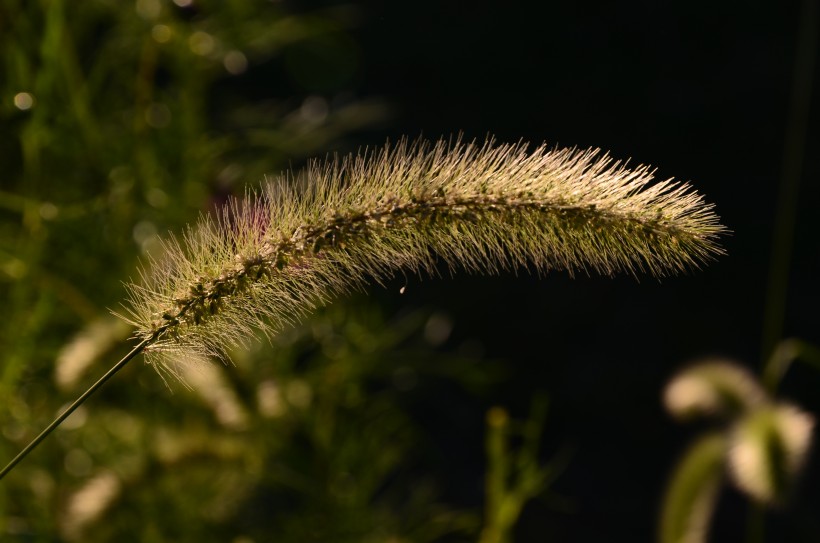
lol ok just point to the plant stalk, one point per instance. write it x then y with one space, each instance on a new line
794 151
64 415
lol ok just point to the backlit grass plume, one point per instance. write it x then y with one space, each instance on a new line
268 259
271 257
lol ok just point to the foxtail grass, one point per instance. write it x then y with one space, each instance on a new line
268 259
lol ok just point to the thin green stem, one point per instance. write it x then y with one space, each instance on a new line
793 157
64 415
785 353
756 524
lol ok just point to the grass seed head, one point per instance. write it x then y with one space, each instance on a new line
268 259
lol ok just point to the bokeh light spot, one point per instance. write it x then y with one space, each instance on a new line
161 33
235 62
23 101
201 43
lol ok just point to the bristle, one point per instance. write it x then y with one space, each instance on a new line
274 255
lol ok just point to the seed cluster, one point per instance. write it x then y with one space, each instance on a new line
271 257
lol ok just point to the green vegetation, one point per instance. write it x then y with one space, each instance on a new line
124 121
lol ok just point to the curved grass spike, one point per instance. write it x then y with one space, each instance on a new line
270 258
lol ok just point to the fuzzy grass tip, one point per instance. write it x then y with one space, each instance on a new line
268 259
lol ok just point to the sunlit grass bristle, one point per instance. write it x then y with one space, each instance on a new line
296 243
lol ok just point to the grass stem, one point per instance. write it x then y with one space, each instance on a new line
79 401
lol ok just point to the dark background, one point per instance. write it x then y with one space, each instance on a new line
705 91
702 90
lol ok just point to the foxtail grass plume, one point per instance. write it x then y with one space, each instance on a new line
298 242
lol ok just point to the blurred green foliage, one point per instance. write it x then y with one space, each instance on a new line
761 444
302 441
121 121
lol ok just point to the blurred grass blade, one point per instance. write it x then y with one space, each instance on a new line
691 496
